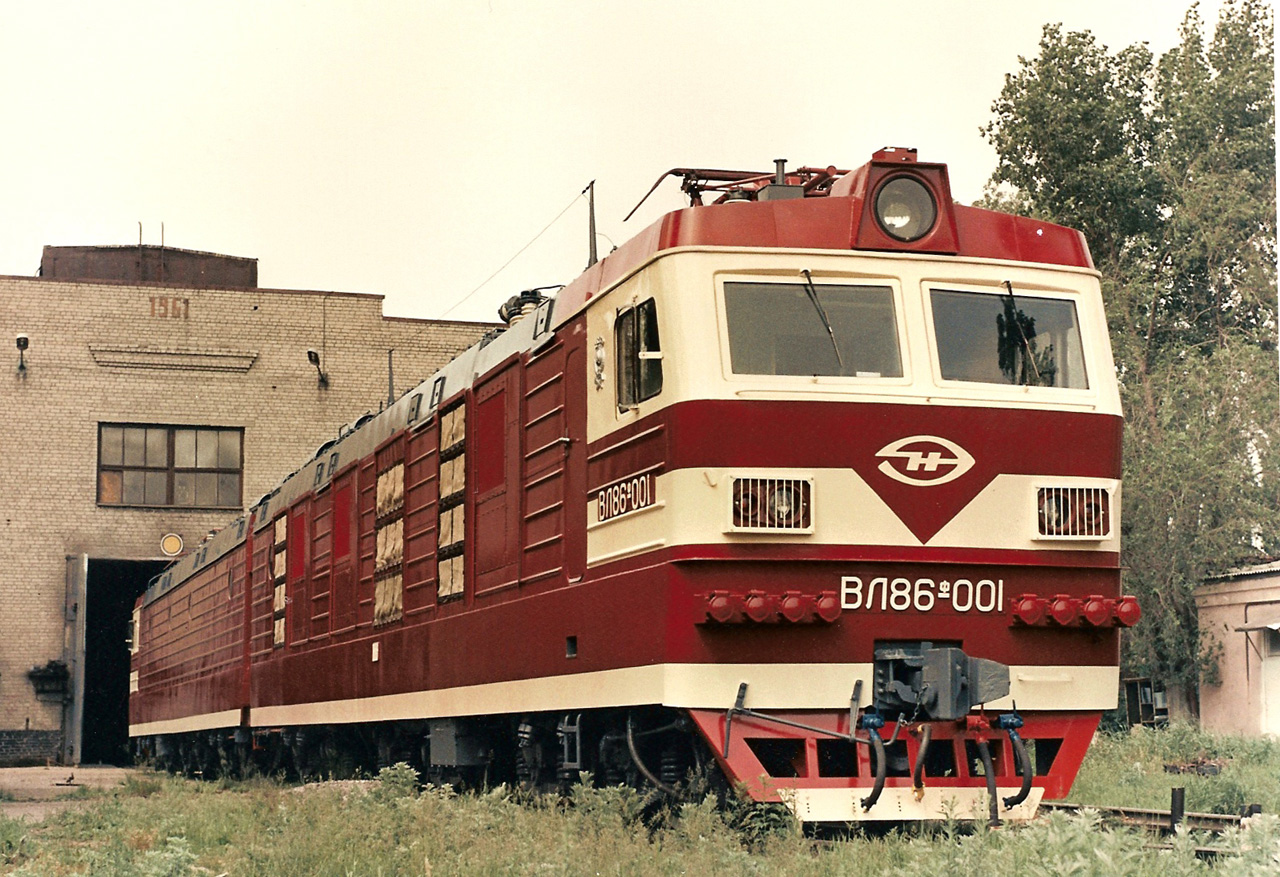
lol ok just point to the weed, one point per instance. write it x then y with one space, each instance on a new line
610 808
398 781
138 785
14 841
757 823
164 827
1129 770
1254 849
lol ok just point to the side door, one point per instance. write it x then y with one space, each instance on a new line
496 467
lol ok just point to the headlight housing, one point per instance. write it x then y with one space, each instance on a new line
760 504
905 209
1073 512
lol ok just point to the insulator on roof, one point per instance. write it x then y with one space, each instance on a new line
518 306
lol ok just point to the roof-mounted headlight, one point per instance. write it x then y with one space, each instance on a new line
905 209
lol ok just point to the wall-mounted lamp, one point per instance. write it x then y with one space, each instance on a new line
23 344
171 544
313 357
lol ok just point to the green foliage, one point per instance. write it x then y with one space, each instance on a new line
1129 769
117 858
609 808
176 827
1253 850
1168 167
142 785
1071 101
757 824
398 781
14 842
1054 845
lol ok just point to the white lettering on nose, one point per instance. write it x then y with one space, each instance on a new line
928 462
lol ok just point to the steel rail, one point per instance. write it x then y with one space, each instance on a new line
1161 820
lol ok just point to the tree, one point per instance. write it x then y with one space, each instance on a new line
1075 100
1169 169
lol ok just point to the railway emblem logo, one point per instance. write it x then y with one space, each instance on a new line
924 460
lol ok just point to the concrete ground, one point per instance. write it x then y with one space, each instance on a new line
33 793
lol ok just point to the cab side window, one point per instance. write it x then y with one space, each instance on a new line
639 354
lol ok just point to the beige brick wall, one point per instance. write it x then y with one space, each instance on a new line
88 345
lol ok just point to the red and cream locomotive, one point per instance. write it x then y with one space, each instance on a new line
819 481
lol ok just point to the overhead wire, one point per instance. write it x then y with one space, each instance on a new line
517 255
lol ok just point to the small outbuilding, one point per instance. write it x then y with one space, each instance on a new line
1240 614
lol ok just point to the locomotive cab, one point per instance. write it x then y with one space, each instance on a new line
785 365
896 446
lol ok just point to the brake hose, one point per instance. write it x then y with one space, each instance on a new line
917 773
640 765
989 771
1024 763
877 749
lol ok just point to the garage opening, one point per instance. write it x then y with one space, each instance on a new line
111 589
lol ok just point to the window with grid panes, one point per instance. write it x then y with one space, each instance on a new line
183 466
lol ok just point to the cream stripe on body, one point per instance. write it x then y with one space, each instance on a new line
695 686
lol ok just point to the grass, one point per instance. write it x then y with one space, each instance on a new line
1129 770
158 826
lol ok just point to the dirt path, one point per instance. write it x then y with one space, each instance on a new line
34 793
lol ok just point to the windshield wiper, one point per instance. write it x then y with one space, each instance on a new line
822 314
1014 313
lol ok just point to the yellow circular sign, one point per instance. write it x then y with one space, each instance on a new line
171 544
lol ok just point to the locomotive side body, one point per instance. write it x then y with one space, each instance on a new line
190 676
772 475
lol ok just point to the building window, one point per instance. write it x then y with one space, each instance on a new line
185 466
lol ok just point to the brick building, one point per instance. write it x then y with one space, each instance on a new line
149 395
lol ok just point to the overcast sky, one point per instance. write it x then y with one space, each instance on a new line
412 148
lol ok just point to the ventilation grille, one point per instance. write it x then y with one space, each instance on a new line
772 505
1074 512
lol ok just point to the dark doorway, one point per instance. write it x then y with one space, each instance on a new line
112 588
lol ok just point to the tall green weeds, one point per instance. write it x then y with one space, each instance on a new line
1133 769
159 826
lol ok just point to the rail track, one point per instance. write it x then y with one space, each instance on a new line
1155 820
1162 822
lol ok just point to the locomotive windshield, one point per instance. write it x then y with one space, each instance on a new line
818 329
1008 339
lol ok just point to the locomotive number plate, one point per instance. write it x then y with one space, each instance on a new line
627 495
886 594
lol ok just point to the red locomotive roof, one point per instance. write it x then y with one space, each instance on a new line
838 217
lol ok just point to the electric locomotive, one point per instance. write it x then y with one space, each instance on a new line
814 483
